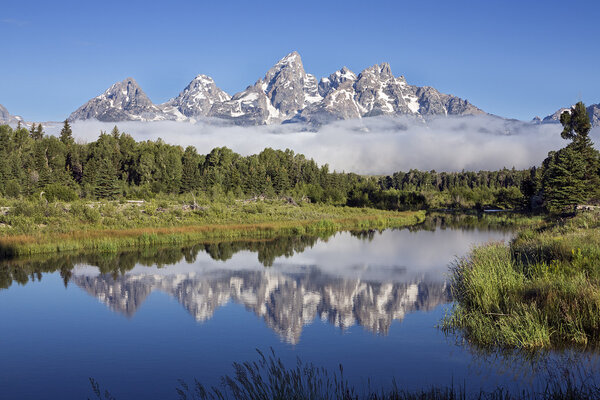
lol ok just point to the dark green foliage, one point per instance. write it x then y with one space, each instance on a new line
564 180
12 189
571 176
37 132
190 175
115 165
59 192
576 122
106 184
66 134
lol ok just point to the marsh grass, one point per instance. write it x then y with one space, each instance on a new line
106 227
268 378
542 290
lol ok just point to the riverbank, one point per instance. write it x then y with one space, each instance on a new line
32 228
540 291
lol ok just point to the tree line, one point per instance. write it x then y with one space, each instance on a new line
116 166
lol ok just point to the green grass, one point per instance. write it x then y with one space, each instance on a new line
36 227
540 291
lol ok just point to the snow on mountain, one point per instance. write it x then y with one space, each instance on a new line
285 94
123 101
197 98
280 95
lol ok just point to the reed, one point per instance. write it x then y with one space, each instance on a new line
268 378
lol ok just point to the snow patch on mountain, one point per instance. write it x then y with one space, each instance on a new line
285 94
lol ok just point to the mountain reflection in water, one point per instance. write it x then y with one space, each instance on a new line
285 300
366 278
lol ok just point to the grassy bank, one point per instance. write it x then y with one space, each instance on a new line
541 290
36 227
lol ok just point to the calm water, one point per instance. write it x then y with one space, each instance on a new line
138 321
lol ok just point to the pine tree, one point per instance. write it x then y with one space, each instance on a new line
107 185
576 122
37 132
576 127
190 177
564 180
66 134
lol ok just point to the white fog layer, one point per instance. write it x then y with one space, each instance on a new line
377 145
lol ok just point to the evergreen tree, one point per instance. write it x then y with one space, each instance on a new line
190 177
107 185
66 134
576 127
564 180
37 132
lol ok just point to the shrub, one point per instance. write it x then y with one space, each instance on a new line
57 192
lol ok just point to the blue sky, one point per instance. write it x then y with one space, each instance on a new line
512 58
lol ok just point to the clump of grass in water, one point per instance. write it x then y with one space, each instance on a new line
543 290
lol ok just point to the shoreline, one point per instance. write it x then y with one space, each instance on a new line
112 240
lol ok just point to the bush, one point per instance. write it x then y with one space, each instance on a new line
12 189
57 192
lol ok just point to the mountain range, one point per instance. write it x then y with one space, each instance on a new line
285 94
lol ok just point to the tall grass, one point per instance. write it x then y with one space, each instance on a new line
542 290
268 378
116 226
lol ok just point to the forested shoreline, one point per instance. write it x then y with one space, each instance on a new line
541 290
115 166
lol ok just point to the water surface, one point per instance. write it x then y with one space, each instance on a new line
138 321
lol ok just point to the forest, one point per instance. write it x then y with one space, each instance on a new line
115 166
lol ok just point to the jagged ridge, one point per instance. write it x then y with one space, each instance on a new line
285 94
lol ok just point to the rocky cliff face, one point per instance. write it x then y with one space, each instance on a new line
286 302
280 95
285 94
7 118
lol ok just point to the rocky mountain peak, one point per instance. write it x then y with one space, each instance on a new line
285 94
123 101
197 98
284 85
380 71
335 80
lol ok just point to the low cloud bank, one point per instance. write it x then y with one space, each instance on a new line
375 145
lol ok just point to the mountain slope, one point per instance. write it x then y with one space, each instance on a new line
285 94
285 90
8 118
197 98
123 101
